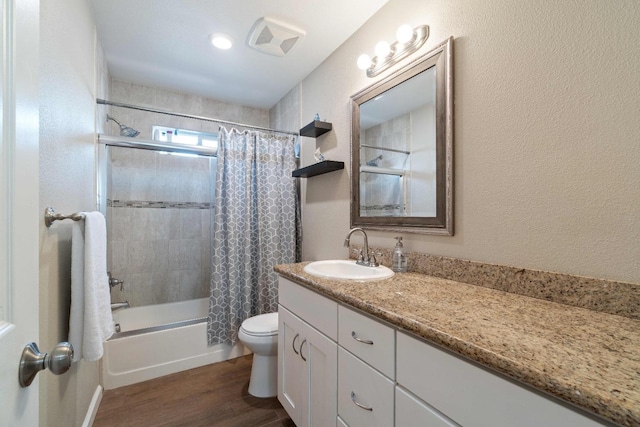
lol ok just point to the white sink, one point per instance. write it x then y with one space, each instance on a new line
347 270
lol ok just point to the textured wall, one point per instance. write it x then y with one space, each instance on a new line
67 176
285 115
546 134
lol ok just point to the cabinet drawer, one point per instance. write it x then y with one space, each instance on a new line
412 412
473 396
319 311
371 341
370 389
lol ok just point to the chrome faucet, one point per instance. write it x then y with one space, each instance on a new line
364 258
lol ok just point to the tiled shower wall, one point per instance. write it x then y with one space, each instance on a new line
159 206
159 221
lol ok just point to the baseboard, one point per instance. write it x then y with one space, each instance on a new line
93 407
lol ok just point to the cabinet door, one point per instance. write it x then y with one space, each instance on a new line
321 365
290 367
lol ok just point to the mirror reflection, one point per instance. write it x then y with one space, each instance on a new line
398 150
401 166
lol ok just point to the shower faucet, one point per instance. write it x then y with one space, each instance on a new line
367 259
118 305
115 282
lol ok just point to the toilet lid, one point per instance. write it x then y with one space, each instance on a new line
264 324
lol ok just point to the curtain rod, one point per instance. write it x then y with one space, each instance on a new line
189 116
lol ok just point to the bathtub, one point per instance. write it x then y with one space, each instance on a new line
159 340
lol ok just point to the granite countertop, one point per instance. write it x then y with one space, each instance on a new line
588 358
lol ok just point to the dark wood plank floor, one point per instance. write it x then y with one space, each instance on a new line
214 395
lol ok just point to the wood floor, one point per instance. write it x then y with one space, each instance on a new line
214 395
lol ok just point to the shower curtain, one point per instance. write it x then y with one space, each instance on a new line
256 226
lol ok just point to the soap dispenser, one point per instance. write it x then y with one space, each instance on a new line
399 260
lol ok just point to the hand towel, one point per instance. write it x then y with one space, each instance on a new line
98 322
76 315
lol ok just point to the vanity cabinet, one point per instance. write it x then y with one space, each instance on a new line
337 366
307 356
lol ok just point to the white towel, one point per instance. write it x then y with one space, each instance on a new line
91 324
76 315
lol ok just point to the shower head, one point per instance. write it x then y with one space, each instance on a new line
125 130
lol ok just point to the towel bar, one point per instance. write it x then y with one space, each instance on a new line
50 216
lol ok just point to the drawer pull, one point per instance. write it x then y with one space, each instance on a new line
301 350
358 404
293 344
355 337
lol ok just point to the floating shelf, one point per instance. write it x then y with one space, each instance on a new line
316 128
317 169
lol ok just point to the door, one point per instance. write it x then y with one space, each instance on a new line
19 213
321 369
290 375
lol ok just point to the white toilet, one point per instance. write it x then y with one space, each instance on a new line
260 335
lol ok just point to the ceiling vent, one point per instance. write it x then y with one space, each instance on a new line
274 37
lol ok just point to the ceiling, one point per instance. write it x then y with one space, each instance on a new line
165 43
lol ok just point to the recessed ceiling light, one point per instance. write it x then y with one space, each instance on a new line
221 41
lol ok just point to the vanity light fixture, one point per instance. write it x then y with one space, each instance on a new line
408 41
221 41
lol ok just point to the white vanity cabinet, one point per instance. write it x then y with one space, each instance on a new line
307 355
339 367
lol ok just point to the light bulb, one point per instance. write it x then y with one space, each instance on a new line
364 61
404 33
221 41
382 49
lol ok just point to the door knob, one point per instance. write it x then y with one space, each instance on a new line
32 361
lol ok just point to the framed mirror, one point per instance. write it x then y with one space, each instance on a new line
402 148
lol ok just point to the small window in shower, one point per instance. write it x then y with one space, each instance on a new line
184 136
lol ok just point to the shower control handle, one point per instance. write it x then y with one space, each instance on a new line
115 282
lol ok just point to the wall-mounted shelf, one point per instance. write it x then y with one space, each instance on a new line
316 128
317 169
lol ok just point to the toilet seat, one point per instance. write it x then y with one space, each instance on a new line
262 325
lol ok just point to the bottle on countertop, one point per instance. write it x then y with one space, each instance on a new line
399 259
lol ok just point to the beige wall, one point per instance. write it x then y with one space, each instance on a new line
68 74
547 134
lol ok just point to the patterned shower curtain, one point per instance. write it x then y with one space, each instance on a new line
256 226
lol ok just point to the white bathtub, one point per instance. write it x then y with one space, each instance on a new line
159 340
